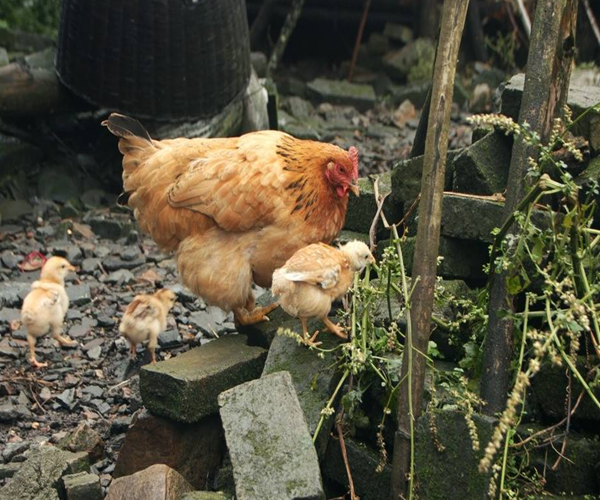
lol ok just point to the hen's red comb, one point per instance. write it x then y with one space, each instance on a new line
353 153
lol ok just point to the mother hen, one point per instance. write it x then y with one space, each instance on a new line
234 209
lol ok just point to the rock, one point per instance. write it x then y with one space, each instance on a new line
413 92
580 99
79 295
77 331
86 439
169 339
360 96
363 461
11 450
303 366
8 314
9 470
57 186
158 482
121 277
111 229
404 113
300 108
66 399
3 57
11 294
549 393
481 100
17 155
82 486
12 210
413 62
9 259
259 63
482 168
576 473
205 495
12 411
378 44
117 263
271 449
93 198
362 209
193 450
185 388
69 211
38 477
458 461
398 32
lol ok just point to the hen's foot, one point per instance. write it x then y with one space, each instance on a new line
36 364
337 330
257 315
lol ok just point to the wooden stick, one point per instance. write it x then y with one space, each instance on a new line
410 395
544 95
359 35
288 28
592 19
524 15
261 21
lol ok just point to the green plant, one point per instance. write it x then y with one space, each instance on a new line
34 16
504 47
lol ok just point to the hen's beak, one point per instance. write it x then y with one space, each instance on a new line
354 188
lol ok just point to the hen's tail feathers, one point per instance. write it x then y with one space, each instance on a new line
124 126
281 285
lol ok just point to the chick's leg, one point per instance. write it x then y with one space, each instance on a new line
63 341
132 350
308 341
32 360
335 329
152 347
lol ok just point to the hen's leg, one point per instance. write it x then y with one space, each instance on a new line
308 341
256 315
32 360
335 329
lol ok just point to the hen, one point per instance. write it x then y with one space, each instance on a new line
235 209
314 277
145 318
45 306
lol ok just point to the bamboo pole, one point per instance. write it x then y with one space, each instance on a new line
410 394
544 95
288 28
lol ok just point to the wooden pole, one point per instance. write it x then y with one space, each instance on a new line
544 96
410 394
359 35
259 25
288 28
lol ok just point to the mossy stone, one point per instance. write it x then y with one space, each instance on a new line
186 388
361 96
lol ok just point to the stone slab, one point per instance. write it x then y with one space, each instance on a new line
82 486
361 96
185 388
158 482
271 450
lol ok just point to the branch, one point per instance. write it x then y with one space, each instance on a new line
288 28
592 19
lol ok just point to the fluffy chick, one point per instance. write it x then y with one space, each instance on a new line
145 318
314 277
45 306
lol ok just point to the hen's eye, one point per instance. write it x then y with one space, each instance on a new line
338 168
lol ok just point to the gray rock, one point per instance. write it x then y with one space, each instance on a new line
85 439
38 477
363 461
270 447
121 277
77 331
300 108
57 186
17 155
12 210
93 198
116 263
185 388
358 95
82 486
398 32
205 495
413 62
9 470
580 99
130 253
378 44
9 259
169 339
111 229
13 449
11 294
453 473
68 211
79 295
314 378
259 63
482 168
14 411
66 399
8 314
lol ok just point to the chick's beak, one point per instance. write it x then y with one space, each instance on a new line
73 269
354 188
371 260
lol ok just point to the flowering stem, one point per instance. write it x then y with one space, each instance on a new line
330 404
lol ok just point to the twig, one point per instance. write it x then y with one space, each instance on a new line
524 15
379 200
592 19
407 214
564 443
284 36
359 35
338 426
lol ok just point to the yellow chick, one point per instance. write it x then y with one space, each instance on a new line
314 277
45 306
145 318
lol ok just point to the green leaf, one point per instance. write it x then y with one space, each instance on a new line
538 250
514 285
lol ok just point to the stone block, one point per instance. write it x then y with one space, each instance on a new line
580 98
361 96
451 474
369 483
314 378
86 439
412 62
482 168
205 495
193 450
158 482
362 209
185 388
82 486
271 450
39 476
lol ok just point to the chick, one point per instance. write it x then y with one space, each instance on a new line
145 318
45 306
314 277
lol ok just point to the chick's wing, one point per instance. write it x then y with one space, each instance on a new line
316 264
